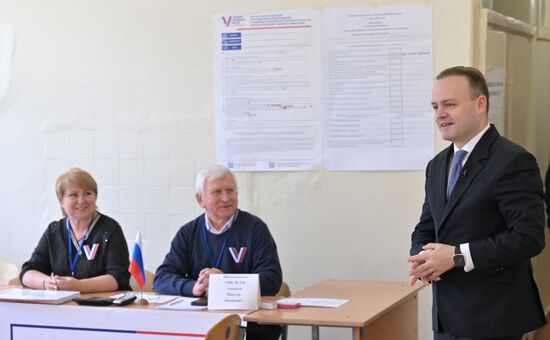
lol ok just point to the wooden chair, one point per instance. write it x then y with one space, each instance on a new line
284 291
229 328
9 273
542 333
148 287
15 282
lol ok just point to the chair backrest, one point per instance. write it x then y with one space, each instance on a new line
148 287
15 281
8 272
226 329
284 290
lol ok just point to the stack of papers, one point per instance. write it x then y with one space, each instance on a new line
313 302
37 296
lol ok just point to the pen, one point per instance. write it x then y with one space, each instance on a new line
176 302
53 280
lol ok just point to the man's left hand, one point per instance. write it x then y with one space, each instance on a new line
436 259
204 277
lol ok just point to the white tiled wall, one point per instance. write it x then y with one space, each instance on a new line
145 179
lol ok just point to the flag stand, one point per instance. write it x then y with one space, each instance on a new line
137 270
141 301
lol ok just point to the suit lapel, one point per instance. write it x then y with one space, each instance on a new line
474 164
473 168
440 186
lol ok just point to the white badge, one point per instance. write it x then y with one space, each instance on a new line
234 291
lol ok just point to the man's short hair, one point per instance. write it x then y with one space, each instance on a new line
213 172
478 84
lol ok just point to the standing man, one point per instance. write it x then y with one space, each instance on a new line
482 221
222 240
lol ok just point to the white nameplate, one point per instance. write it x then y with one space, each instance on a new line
234 291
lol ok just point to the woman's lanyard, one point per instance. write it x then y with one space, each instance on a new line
217 263
72 262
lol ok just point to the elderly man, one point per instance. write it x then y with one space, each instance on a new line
222 240
481 223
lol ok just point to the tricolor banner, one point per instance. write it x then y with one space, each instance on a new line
136 263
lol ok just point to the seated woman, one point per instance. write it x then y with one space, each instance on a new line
84 251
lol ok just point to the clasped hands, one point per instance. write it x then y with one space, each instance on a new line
55 282
201 286
428 265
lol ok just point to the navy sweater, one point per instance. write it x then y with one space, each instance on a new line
189 255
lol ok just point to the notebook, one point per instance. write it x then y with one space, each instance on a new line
37 296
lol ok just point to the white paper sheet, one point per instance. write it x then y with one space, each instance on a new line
181 303
267 91
314 302
375 114
378 80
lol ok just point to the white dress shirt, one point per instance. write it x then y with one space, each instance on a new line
469 147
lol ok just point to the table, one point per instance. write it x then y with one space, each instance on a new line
23 321
375 310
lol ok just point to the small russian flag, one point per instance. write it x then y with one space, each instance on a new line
136 263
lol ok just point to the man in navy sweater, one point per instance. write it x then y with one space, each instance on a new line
222 240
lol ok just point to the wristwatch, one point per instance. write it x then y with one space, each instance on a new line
458 258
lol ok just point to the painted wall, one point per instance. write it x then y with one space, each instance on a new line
124 90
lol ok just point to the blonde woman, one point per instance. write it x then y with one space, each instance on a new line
85 250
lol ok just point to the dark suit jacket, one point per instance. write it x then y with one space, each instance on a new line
496 207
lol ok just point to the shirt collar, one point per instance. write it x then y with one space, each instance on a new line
223 229
469 147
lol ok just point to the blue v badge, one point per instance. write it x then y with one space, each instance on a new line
91 252
238 257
